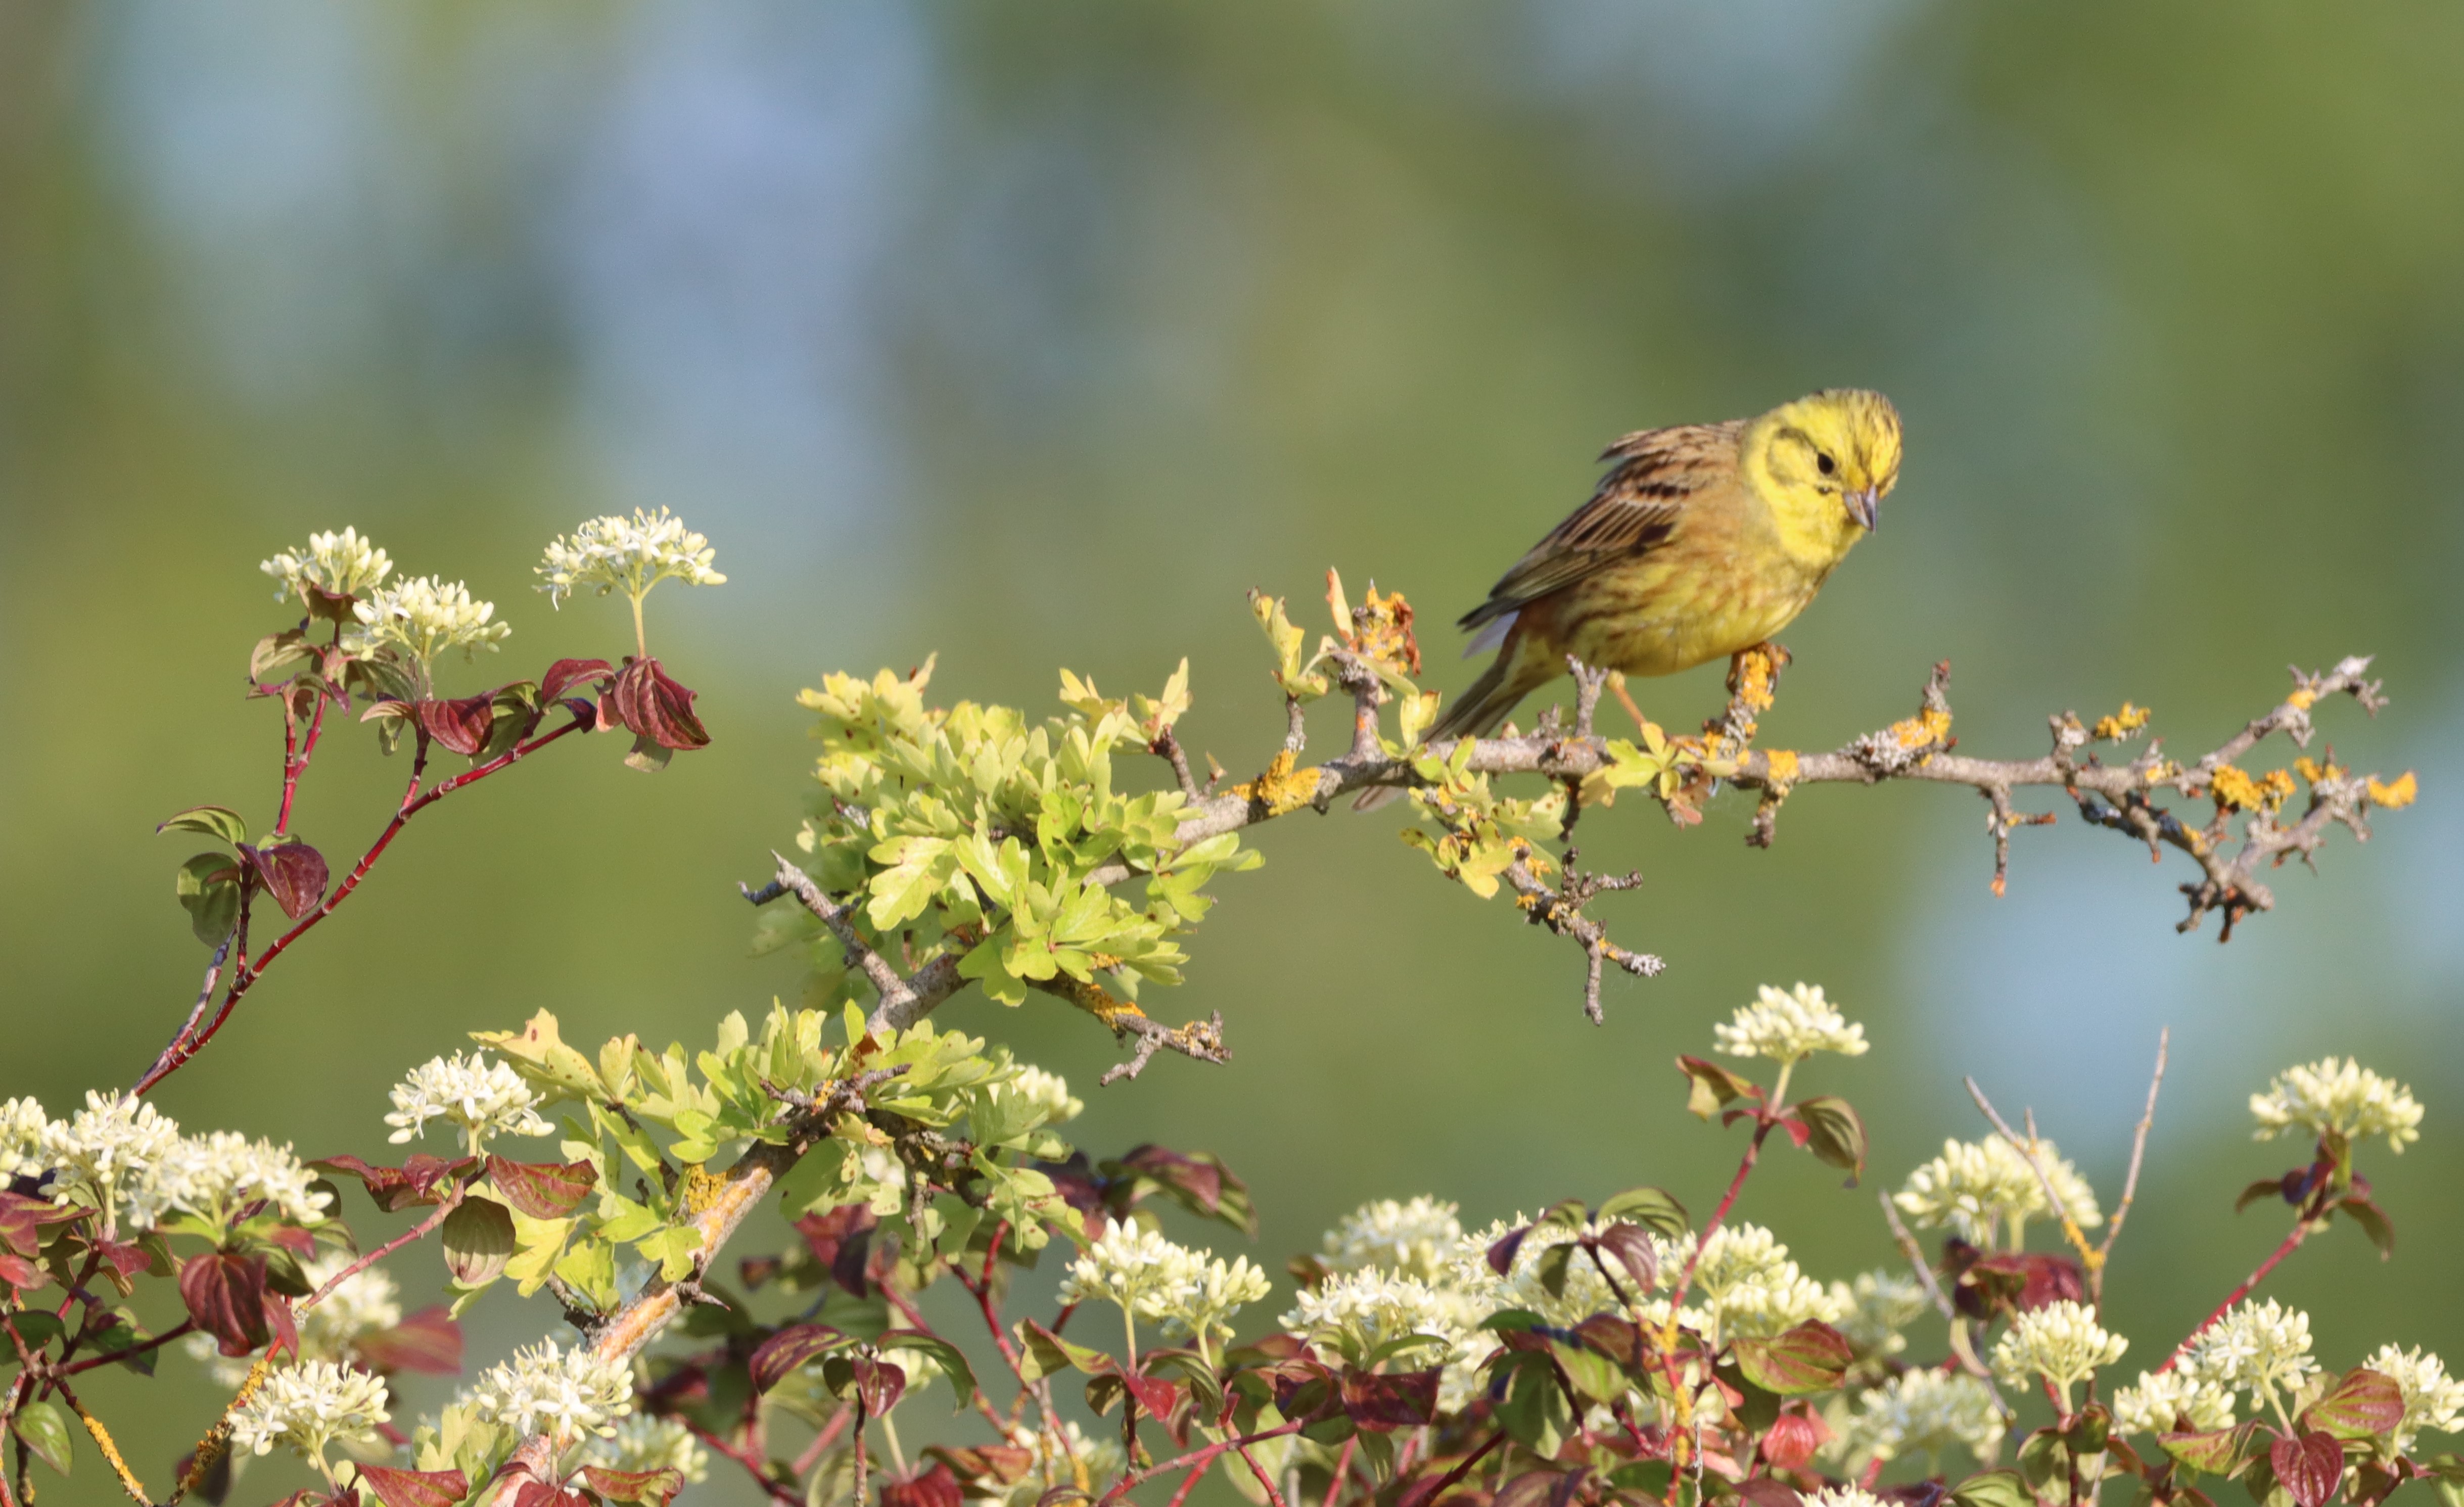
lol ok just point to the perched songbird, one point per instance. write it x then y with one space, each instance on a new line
1701 541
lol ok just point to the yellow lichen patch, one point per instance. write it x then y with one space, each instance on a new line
2314 772
2302 699
700 1191
2400 794
2121 724
1782 771
2162 772
1281 788
1755 673
1928 729
2236 791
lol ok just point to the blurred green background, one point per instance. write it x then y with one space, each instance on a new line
1036 335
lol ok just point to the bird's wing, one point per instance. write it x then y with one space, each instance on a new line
1638 507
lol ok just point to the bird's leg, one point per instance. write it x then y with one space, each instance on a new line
1616 684
1753 682
1588 682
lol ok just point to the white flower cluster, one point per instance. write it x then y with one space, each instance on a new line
2343 1097
1788 1026
1750 1287
1922 1410
1050 1468
1147 1277
483 1098
336 564
107 1156
643 1443
1977 1186
1048 1091
308 1405
1414 1238
2159 1401
218 1174
1874 1307
365 1304
631 555
2060 1342
2256 1347
22 1123
2432 1399
1358 1312
1842 1496
565 1393
424 617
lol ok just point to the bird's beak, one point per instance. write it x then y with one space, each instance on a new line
1866 507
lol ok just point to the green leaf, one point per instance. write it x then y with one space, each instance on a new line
478 1237
1834 1133
2215 1451
1993 1489
1810 1358
589 1268
44 1425
1042 1353
952 1360
1654 1208
2364 1404
215 821
2374 1223
1713 1086
208 888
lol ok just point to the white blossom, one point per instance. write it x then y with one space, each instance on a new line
1750 1287
565 1393
2060 1342
1048 1091
1841 1497
1136 1270
1414 1238
22 1123
307 1407
336 564
1358 1312
2255 1348
1050 1467
424 617
2432 1399
483 1098
1216 1291
631 555
1975 1185
2157 1401
1790 1025
643 1443
1876 1307
215 1175
1922 1410
105 1156
2343 1097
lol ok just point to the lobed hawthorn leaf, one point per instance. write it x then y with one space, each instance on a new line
215 821
543 1189
786 1353
478 1237
418 1181
429 1342
399 1488
292 872
1713 1086
2310 1467
1834 1133
2362 1404
1810 1358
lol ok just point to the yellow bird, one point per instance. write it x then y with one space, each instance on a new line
1701 541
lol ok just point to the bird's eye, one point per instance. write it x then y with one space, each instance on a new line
1827 463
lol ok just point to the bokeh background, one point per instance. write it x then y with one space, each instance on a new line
1036 335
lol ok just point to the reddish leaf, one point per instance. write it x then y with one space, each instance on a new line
2215 1451
22 1216
785 1352
478 1238
1633 1249
292 873
543 1190
647 702
933 1488
2373 1221
392 1188
461 726
653 1487
399 1488
1834 1133
427 1341
1764 1491
1197 1180
755 1271
1713 1085
1502 1251
879 1385
18 1272
2309 1467
841 1240
2020 1281
534 1492
1384 1402
226 1296
1810 1358
1793 1438
2361 1404
282 1326
1620 1340
567 673
1002 1463
1156 1396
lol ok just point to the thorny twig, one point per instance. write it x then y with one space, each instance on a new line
1561 912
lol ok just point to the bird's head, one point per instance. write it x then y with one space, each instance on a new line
1825 462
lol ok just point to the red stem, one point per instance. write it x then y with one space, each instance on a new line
1274 1498
1342 1469
187 1045
295 760
1446 1481
823 1440
754 1466
392 1246
184 1327
2300 1233
1131 1481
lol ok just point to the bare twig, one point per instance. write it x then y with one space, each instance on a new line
1560 910
2026 1147
791 879
2130 1182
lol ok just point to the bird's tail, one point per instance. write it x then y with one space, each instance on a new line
1483 706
